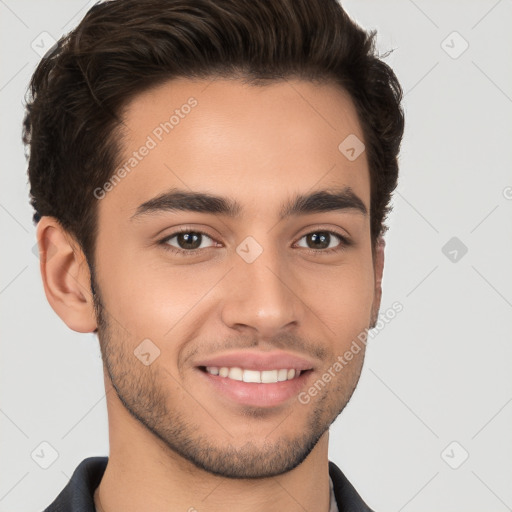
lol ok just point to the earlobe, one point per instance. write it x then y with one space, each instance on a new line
378 267
65 275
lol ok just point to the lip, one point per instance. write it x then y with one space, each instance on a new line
252 393
254 360
255 394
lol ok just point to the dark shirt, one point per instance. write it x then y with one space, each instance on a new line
77 496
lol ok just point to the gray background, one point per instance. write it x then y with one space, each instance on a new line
436 384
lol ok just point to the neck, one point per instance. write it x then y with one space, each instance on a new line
144 474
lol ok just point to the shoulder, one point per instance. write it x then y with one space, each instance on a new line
77 495
347 497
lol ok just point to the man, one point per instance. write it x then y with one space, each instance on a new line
211 181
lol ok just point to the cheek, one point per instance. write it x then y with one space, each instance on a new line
147 302
341 296
152 299
133 293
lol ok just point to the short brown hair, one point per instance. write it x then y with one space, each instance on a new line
124 47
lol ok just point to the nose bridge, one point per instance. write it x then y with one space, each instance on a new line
260 294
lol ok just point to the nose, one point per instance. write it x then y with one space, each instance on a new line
260 296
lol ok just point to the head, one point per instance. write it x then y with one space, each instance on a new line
245 111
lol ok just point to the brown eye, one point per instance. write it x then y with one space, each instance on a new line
325 241
320 240
187 241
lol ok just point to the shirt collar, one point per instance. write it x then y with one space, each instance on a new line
77 495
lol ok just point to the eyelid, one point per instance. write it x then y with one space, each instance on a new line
326 228
187 229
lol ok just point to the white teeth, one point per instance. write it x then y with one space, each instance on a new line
265 376
236 373
269 376
252 376
282 375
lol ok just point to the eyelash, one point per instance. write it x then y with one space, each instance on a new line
345 242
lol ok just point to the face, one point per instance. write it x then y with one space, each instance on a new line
194 295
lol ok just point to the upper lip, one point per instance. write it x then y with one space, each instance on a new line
254 360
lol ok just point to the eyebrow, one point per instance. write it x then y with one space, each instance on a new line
302 204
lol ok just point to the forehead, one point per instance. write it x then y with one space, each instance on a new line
255 143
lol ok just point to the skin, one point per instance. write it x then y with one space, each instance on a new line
175 443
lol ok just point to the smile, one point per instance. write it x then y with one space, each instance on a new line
254 376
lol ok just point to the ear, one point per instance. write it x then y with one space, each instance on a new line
378 268
66 276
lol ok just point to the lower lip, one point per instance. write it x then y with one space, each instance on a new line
254 394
